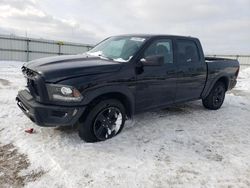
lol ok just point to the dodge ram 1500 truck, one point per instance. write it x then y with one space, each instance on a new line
119 77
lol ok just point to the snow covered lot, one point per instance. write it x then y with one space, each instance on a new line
183 146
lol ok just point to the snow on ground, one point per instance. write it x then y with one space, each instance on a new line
182 146
244 80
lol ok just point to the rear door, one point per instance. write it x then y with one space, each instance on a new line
191 70
156 85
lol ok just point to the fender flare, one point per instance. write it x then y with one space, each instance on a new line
208 88
95 93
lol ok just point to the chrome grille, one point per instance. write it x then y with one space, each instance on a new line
31 81
28 73
32 86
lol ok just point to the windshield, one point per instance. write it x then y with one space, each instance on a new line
121 48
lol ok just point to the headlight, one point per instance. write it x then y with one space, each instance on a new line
63 93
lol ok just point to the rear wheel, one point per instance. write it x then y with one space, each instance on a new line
216 97
104 121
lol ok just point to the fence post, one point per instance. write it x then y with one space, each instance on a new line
28 50
60 43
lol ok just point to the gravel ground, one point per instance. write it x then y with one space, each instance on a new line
11 164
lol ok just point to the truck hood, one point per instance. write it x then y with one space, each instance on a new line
54 69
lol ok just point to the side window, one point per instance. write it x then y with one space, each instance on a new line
162 47
187 52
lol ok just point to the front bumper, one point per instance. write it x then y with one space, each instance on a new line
48 115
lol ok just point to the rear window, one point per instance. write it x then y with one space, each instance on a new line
187 52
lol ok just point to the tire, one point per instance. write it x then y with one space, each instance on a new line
104 121
216 97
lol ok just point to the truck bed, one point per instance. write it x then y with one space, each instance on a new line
217 59
221 66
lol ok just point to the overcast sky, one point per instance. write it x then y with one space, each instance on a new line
222 26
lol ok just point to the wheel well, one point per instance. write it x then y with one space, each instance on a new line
225 81
114 95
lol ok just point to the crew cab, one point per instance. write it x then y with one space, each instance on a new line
122 76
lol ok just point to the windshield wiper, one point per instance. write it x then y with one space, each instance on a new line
99 54
104 57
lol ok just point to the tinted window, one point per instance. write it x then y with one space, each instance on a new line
161 47
187 51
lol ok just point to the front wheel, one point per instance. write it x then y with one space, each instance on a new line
104 121
216 97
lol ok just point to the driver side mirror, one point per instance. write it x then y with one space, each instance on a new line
155 60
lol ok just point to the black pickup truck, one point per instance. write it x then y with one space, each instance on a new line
119 77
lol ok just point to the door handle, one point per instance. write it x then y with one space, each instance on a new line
180 72
170 72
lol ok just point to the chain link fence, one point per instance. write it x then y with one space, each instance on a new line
243 59
17 48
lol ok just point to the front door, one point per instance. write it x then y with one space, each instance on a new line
156 85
